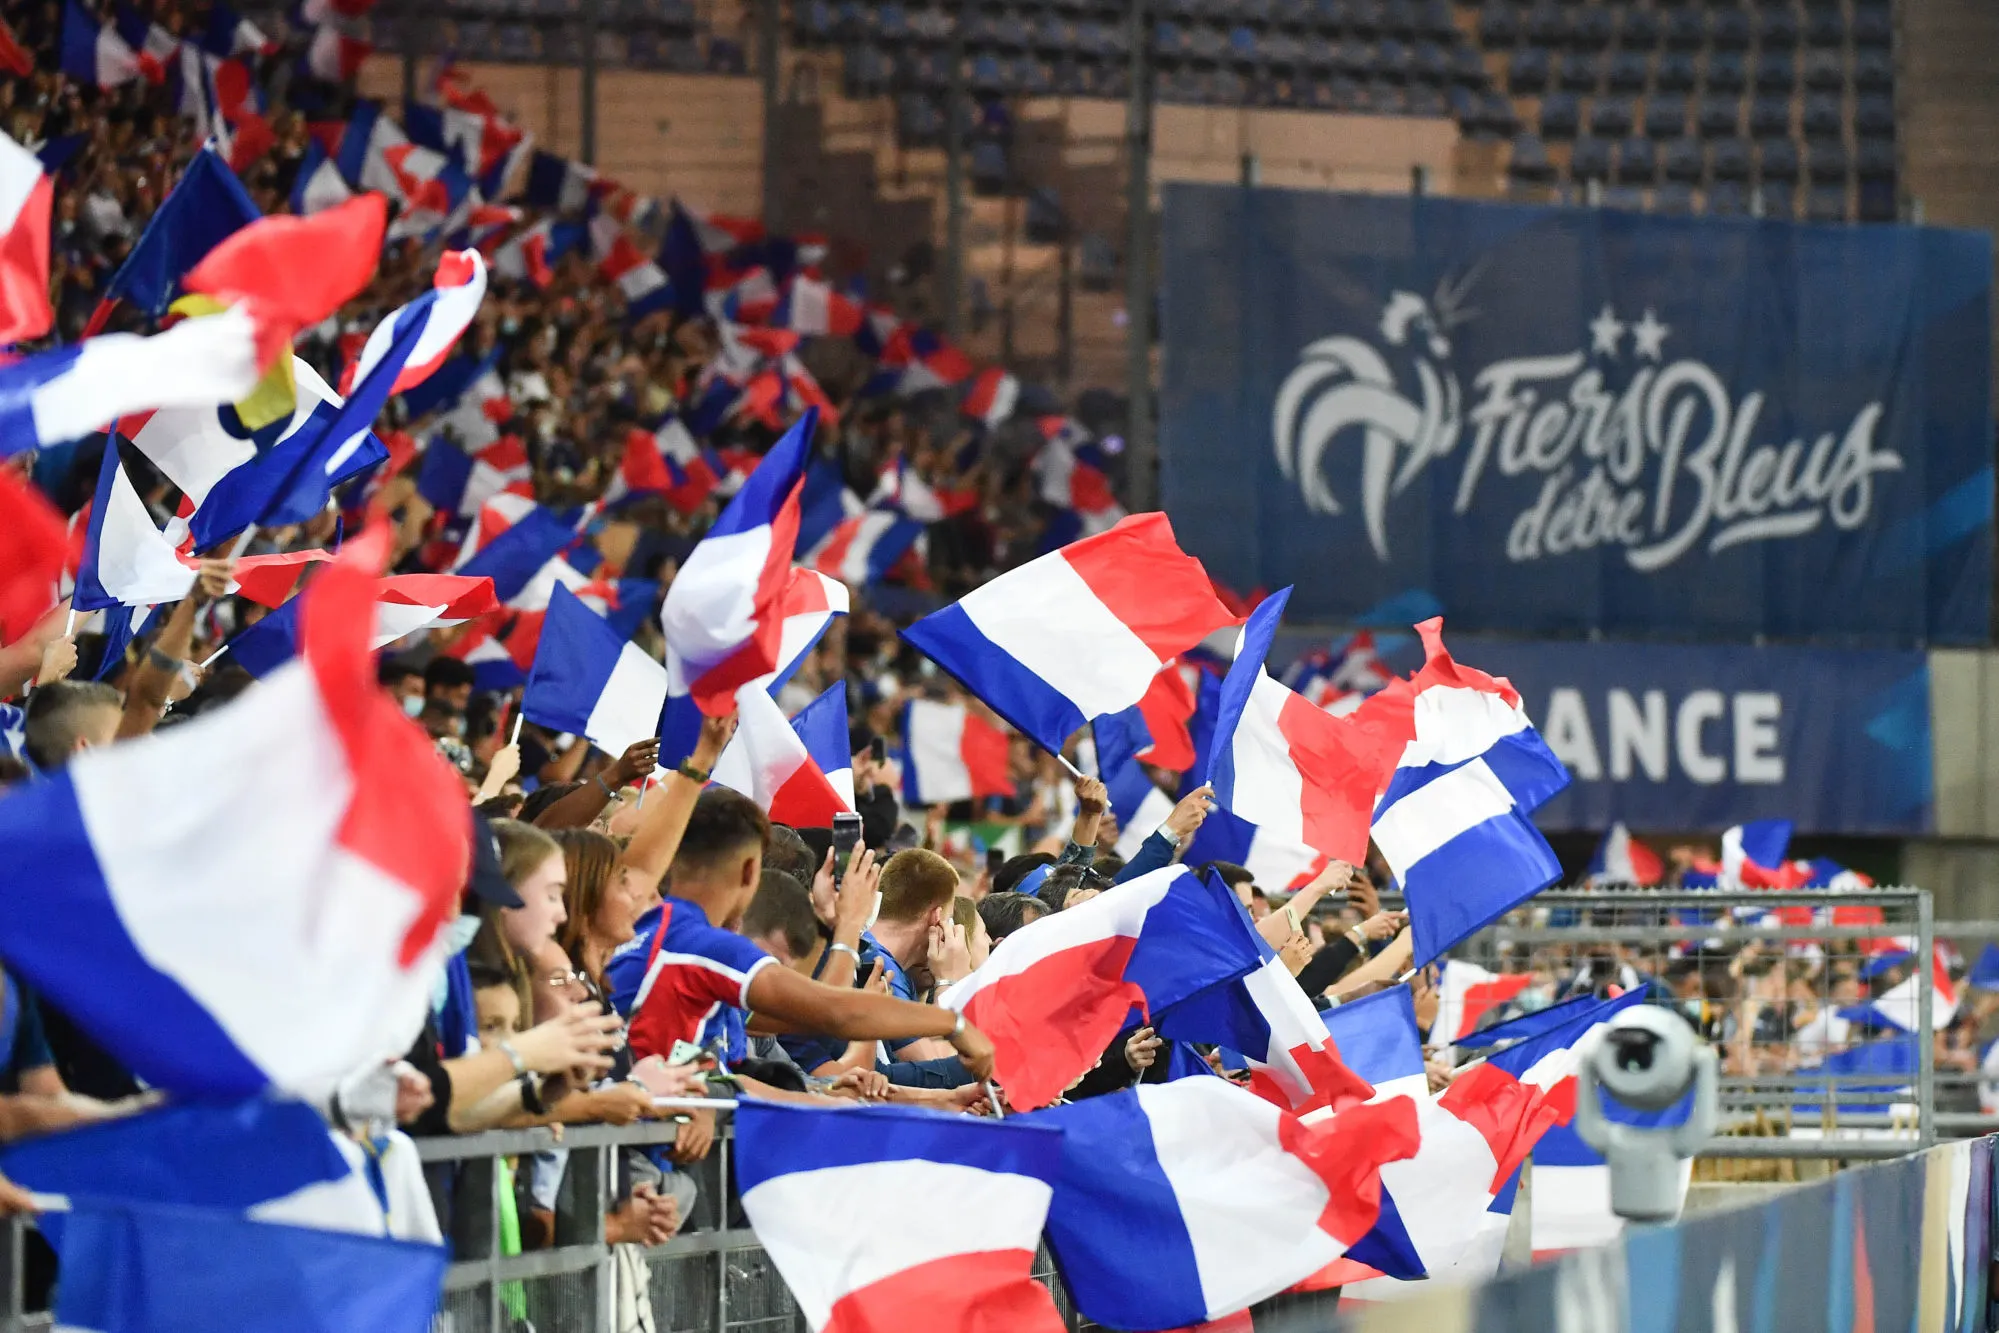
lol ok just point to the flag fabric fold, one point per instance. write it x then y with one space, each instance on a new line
951 754
26 194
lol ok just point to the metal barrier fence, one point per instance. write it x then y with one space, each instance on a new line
1764 975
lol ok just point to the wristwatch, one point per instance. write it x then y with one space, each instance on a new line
531 1094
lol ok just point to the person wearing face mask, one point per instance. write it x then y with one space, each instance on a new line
404 684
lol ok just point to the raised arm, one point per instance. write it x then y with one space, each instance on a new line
153 681
579 807
650 852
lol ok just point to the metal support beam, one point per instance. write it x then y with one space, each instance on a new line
587 93
1142 471
952 271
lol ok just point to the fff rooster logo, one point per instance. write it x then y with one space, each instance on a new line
1624 445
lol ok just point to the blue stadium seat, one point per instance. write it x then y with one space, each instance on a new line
1547 25
1877 201
1560 116
1780 199
1425 100
812 22
988 169
1625 198
892 24
1353 57
1770 117
854 22
1636 162
726 56
1725 199
1776 27
1686 30
1666 116
1392 61
866 71
1728 160
1611 117
1053 34
1437 23
1720 116
1498 25
1673 197
1399 18
1292 15
1527 72
1499 117
1590 160
1727 71
1874 114
1467 67
1639 30
1824 117
519 41
1826 203
1875 160
1777 159
1676 73
1873 70
1430 65
1207 47
1825 28
1825 70
1872 25
1628 72
1776 72
1826 160
1284 51
1243 45
1364 17
1591 28
1530 160
1728 30
1683 161
1258 14
1580 72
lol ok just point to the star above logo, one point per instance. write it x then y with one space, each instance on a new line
1605 331
1648 336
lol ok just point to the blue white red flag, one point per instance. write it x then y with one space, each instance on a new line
286 864
26 193
1055 992
828 1194
767 760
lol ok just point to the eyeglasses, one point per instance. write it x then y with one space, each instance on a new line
560 979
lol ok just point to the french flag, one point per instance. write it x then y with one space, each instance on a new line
431 186
812 306
1753 854
364 140
1453 822
1130 593
517 557
230 34
1284 765
828 1194
721 618
34 548
1622 859
444 312
404 604
530 255
1271 857
1293 1060
1055 992
1168 705
62 395
462 482
282 865
990 397
951 754
93 53
588 681
768 761
129 562
666 462
1897 1007
642 281
207 205
558 183
1071 476
25 196
1466 993
1140 806
1189 1201
318 185
863 549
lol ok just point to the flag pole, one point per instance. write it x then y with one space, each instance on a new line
515 739
694 1103
69 625
243 542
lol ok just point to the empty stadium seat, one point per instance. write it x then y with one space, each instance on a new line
1728 30
1676 73
1720 115
1628 198
1825 28
1675 197
1825 70
1611 117
1779 198
1636 163
1530 160
1872 25
1726 199
1527 71
1639 30
1826 203
1686 30
1579 72
1727 71
1591 28
1875 159
1823 118
1873 70
1498 25
1776 72
1666 116
1590 160
1826 160
1777 160
1628 72
1776 27
1728 159
1874 114
1560 116
1682 161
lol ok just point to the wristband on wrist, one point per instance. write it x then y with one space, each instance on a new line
605 787
689 770
958 1028
847 949
507 1048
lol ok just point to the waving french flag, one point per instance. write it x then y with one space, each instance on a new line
589 681
863 548
1466 993
1054 993
636 275
129 562
440 316
404 604
1898 1007
199 899
1140 806
805 611
25 196
668 462
951 754
65 394
464 481
1293 1060
1167 707
829 1193
1453 820
1188 1201
1622 859
768 761
822 725
721 617
1284 765
94 53
1130 593
516 558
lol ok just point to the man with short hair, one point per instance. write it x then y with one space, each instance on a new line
448 681
917 887
66 717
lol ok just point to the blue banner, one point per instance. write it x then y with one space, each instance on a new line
1679 737
1558 420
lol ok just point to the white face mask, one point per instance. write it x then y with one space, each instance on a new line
412 705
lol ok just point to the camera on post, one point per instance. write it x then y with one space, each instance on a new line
1648 1058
